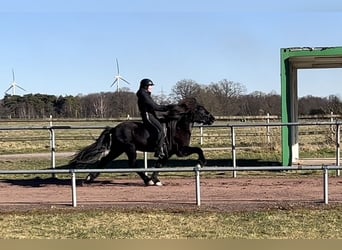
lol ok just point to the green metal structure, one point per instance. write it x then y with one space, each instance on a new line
293 59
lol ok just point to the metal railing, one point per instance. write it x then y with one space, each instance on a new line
234 169
197 170
231 127
233 147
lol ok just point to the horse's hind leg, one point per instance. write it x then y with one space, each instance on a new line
102 163
147 180
132 160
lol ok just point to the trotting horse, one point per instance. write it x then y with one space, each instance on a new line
130 137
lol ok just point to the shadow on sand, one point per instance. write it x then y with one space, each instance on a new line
122 164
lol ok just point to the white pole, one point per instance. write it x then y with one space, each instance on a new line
268 129
326 185
145 161
338 148
73 189
331 126
198 185
201 130
233 150
53 150
50 120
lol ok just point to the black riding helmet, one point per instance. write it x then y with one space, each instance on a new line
144 83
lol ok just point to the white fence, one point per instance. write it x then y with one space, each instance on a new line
196 170
231 139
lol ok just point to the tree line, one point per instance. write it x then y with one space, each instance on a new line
224 98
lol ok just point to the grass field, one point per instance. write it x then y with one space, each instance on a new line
113 224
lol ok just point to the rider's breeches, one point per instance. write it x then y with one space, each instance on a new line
154 124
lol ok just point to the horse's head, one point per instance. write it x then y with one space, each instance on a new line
191 111
201 115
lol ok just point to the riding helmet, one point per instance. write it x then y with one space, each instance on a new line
144 83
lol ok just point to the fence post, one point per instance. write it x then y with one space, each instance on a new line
53 149
326 184
201 135
198 185
232 131
50 120
145 161
332 126
268 129
338 149
73 188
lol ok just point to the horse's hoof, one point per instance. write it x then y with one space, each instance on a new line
150 183
88 179
158 183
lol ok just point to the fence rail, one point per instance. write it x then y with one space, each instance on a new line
231 132
197 169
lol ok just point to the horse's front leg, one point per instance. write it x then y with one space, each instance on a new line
154 177
186 151
91 177
132 161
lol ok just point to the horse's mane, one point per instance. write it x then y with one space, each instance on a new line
184 106
189 104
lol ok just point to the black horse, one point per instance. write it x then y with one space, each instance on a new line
130 137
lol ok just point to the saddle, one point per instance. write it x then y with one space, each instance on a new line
169 128
169 121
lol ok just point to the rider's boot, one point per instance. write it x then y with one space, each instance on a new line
161 152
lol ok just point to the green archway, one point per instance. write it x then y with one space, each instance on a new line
293 59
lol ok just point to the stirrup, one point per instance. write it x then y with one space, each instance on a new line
159 155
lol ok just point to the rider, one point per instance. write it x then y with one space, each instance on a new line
147 108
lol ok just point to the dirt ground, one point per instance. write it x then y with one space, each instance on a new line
177 194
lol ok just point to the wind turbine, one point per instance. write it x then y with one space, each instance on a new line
14 85
118 77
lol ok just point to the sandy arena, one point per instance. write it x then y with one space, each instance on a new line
217 194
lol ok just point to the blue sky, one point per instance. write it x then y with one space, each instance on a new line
70 47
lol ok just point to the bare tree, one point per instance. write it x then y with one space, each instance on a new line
162 99
186 88
100 106
259 103
311 105
335 105
227 94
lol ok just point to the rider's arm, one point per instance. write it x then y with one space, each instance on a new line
149 102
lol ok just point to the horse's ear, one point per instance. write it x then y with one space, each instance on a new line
188 103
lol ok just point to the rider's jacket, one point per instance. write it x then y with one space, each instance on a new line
147 105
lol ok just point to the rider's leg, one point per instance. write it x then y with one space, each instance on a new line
160 150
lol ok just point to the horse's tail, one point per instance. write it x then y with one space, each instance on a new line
94 151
